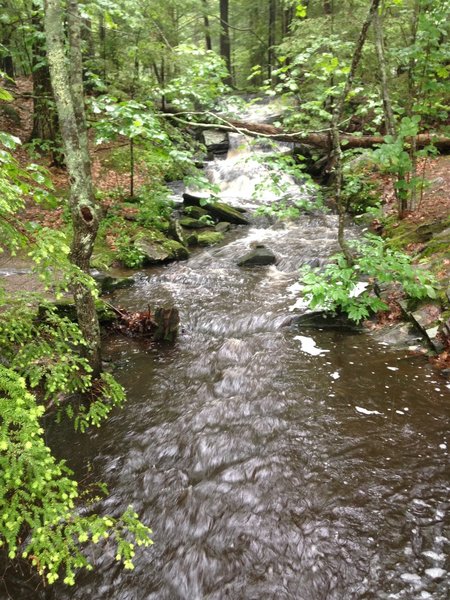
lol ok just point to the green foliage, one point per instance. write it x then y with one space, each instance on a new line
396 157
43 369
38 495
200 80
128 118
127 252
337 287
360 192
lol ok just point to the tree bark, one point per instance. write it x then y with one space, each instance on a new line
208 43
67 86
225 45
271 37
384 84
45 117
335 135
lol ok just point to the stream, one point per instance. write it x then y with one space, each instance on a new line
271 463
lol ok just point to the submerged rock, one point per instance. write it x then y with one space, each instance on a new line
260 256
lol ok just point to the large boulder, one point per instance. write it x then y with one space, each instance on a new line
259 256
156 252
218 210
209 238
191 223
216 141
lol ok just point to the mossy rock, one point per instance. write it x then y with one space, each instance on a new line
176 249
217 210
191 238
157 251
195 212
191 223
224 212
209 238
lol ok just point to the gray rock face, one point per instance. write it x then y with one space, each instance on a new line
260 256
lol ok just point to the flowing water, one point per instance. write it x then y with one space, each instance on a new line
270 463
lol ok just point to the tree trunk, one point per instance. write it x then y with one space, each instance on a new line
387 106
335 136
208 43
45 117
318 140
225 46
67 85
328 7
271 37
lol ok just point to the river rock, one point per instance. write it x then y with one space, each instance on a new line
216 141
209 238
260 256
196 212
222 227
191 223
156 252
176 232
109 284
224 212
427 320
218 210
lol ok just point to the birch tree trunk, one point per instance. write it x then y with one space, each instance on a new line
66 77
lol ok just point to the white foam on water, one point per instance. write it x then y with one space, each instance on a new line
410 577
435 572
309 346
365 411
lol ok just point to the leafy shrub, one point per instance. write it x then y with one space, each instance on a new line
335 288
127 252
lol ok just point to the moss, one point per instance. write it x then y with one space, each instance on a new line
178 251
209 238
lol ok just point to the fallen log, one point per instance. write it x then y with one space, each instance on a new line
321 140
316 139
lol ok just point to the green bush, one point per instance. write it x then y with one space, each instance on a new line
335 288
